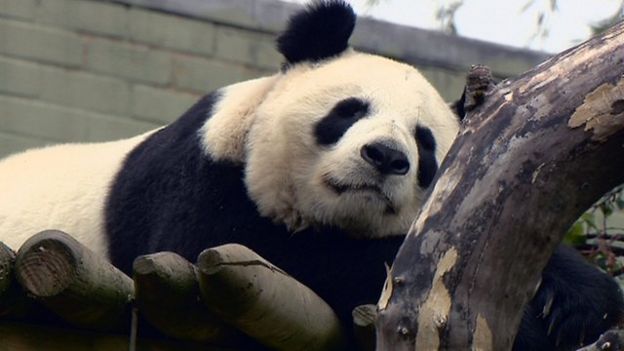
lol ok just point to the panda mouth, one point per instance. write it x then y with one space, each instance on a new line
341 188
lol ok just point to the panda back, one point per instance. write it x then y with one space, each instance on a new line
172 195
60 187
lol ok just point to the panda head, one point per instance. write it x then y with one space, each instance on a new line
338 137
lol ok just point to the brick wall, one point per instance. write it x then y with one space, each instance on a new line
88 70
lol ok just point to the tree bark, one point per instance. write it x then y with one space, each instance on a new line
539 151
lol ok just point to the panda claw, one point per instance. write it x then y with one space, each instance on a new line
548 305
553 322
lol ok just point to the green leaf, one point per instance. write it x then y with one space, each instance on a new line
606 209
576 235
589 220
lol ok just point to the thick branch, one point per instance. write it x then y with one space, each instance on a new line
542 148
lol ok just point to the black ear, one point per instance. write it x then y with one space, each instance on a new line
320 31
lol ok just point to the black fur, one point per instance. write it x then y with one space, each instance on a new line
320 32
346 112
459 106
585 303
170 196
427 164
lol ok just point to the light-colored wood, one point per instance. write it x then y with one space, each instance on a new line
79 286
263 301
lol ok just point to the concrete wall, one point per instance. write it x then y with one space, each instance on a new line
87 70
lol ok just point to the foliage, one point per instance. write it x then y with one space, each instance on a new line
447 10
551 6
542 26
596 236
605 24
445 14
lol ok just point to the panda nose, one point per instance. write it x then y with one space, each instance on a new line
385 159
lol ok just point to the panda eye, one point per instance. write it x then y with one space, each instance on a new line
351 108
339 119
427 163
424 139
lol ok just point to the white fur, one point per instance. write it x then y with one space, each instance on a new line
224 134
60 187
285 168
267 124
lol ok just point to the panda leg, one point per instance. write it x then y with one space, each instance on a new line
575 303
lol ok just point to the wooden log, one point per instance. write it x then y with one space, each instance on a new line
79 286
364 326
9 291
14 304
264 302
30 337
167 294
7 259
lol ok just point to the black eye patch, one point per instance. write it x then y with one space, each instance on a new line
341 117
427 164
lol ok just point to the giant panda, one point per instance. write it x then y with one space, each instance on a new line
319 168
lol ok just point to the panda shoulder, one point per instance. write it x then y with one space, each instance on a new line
224 133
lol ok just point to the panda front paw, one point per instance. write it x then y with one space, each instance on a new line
576 302
571 322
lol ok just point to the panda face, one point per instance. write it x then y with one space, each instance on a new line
338 137
351 142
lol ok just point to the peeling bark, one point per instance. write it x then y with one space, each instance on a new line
540 150
602 112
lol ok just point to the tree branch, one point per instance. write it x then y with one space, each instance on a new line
541 150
